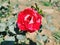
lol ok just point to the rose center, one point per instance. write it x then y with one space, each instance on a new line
29 18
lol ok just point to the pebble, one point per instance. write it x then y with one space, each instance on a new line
9 38
51 27
49 19
2 27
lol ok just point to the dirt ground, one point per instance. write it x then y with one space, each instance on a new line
49 11
52 11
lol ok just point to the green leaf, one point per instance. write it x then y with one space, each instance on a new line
11 21
56 35
40 11
47 3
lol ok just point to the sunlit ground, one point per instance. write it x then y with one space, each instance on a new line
50 32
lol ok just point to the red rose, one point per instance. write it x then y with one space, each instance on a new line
29 20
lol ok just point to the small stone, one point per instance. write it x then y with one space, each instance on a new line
49 19
1 35
2 27
38 37
51 27
15 12
9 38
11 29
21 37
47 26
3 11
27 41
44 38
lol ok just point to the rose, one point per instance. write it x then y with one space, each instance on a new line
29 20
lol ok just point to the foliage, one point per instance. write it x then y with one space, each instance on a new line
56 35
47 3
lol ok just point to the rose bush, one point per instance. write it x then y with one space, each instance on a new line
29 20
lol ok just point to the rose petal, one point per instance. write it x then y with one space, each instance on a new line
29 20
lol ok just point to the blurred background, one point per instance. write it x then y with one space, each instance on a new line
49 33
